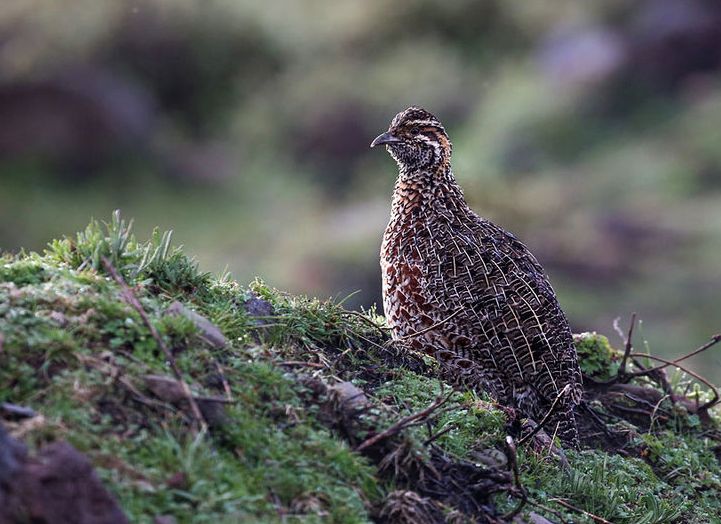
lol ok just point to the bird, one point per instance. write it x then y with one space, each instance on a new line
462 289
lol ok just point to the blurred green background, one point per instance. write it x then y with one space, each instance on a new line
590 129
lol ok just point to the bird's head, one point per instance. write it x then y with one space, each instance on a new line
417 141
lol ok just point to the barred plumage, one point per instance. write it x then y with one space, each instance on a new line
467 292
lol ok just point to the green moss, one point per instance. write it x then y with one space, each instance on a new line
473 423
596 356
22 271
688 463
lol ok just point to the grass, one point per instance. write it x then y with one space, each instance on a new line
74 351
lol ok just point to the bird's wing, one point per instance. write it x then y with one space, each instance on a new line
491 275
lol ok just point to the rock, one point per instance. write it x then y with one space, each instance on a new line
11 453
57 486
258 307
170 390
165 388
490 457
533 518
15 412
349 397
208 331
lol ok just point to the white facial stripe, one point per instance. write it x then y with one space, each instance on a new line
424 123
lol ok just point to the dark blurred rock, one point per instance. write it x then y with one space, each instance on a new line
78 118
11 454
258 307
583 56
333 140
669 41
10 411
56 486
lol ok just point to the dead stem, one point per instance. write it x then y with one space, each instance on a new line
133 301
405 422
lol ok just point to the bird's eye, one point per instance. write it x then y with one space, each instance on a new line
415 130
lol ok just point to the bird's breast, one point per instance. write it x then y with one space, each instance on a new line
406 259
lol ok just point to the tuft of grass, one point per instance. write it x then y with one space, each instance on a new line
155 260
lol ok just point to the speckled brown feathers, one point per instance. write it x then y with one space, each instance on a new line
467 292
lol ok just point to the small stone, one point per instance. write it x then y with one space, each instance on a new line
490 457
165 388
258 307
15 412
208 331
349 396
164 519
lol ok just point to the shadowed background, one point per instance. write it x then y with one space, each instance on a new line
591 130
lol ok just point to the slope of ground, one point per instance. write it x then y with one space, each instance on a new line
303 411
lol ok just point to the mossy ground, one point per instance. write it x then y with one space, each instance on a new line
73 350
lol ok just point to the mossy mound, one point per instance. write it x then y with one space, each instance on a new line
295 403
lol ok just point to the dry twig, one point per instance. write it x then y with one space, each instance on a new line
405 422
550 411
133 301
628 347
432 327
223 380
382 329
303 363
595 518
695 375
714 340
513 462
439 434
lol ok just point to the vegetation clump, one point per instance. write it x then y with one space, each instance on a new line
596 356
308 412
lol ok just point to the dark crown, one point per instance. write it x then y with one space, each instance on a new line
415 116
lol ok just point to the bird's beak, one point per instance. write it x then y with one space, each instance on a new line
385 138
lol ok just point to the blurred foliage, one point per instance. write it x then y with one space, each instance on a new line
589 129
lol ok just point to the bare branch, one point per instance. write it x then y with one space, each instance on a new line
513 462
714 340
595 518
405 422
545 418
434 326
695 375
226 385
439 434
628 346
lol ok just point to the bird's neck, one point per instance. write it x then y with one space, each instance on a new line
421 192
